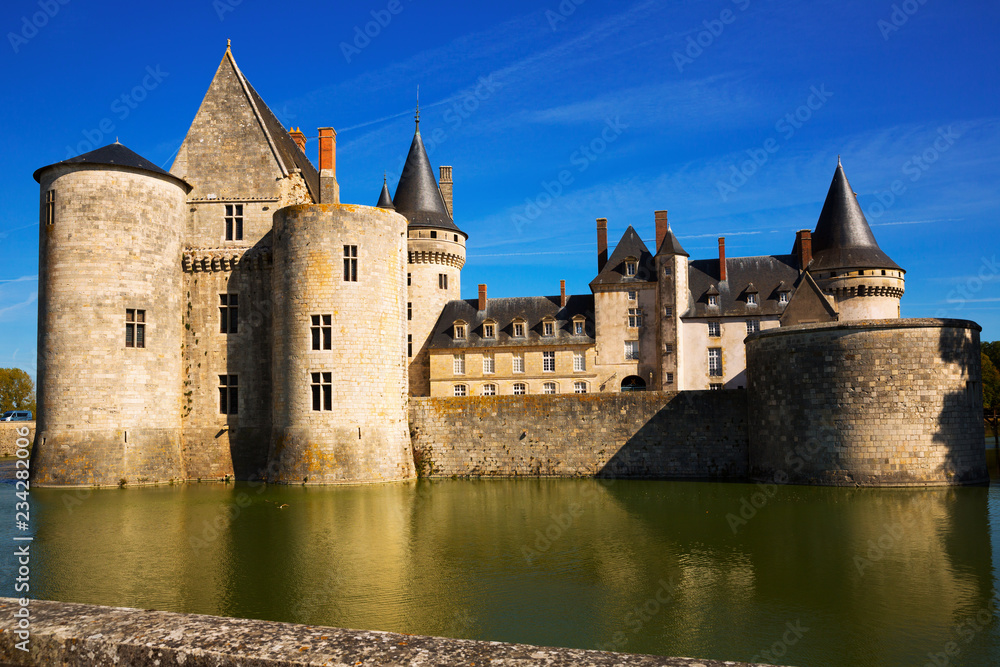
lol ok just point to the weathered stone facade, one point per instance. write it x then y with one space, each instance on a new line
638 434
10 433
870 403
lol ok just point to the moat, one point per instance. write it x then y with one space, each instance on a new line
788 575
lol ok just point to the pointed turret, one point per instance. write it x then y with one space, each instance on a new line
843 238
418 197
385 200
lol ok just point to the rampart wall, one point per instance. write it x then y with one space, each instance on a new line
644 434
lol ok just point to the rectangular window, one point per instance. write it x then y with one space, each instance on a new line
135 328
434 234
518 329
666 270
783 297
713 301
322 392
670 378
631 350
322 332
632 296
489 331
408 279
50 207
549 362
409 345
548 328
518 362
442 281
489 363
549 388
668 349
634 317
579 361
520 389
751 299
458 364
461 390
351 263
715 361
715 386
714 329
668 311
460 331
409 310
630 268
753 326
229 395
489 390
229 313
580 387
234 222
579 328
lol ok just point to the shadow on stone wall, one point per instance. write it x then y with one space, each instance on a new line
960 424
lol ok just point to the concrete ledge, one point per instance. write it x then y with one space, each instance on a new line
79 635
867 325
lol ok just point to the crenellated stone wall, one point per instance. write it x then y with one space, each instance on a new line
641 434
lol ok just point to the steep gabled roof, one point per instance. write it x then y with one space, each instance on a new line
762 275
418 197
117 155
503 311
384 200
613 272
670 245
808 304
843 238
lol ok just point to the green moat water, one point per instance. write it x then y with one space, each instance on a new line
862 577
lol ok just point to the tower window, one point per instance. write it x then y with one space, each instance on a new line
234 222
50 207
322 392
668 311
229 395
409 345
351 263
135 328
442 281
408 279
434 234
409 310
229 313
670 378
322 332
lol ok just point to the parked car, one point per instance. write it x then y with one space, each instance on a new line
16 416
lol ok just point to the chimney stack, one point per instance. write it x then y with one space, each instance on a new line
298 138
662 227
562 293
446 188
804 248
328 188
482 297
722 259
602 243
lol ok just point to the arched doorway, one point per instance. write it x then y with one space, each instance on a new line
633 383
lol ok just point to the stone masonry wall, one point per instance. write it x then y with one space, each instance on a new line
639 434
869 403
9 436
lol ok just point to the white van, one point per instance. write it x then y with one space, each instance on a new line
16 416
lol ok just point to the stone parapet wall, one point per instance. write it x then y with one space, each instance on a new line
642 434
63 633
868 403
9 436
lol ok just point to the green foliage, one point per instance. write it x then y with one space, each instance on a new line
992 350
991 383
17 391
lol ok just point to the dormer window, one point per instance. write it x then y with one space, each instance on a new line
579 326
518 328
751 299
631 265
489 330
549 327
783 297
460 330
713 301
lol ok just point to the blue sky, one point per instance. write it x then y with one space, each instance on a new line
646 105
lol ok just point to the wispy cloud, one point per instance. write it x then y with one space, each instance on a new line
22 279
31 299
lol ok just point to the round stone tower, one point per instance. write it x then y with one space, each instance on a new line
109 321
339 376
847 261
435 255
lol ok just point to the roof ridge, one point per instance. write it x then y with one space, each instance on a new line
245 85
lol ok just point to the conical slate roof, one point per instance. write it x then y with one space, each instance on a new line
670 245
843 238
117 155
417 195
384 200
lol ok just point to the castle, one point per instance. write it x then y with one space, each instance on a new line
231 317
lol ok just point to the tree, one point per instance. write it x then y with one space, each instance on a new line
991 384
992 350
17 391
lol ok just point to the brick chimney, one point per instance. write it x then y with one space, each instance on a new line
482 297
562 293
803 248
722 259
328 187
602 243
446 188
298 138
661 229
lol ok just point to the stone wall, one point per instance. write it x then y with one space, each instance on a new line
640 434
9 436
870 403
64 633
